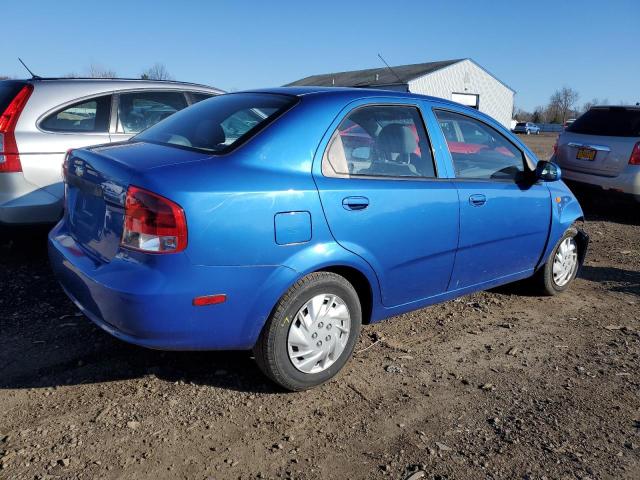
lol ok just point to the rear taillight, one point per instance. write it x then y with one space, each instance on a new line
152 223
635 155
9 156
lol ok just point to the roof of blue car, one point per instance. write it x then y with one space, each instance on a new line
350 92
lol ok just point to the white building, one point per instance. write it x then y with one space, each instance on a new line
462 80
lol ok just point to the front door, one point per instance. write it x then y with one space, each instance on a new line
504 215
383 200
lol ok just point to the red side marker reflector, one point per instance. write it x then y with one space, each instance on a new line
209 300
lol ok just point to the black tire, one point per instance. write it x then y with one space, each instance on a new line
544 277
271 350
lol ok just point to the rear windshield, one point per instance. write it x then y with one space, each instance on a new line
609 121
521 124
8 90
219 124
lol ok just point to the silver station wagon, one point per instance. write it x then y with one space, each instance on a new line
40 119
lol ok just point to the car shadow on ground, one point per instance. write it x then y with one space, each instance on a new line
45 342
603 206
614 279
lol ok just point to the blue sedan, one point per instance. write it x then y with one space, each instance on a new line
282 220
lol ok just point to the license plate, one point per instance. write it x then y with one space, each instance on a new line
586 154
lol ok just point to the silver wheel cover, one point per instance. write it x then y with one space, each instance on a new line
565 262
318 333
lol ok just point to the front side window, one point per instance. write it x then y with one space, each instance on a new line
219 124
85 116
478 150
380 141
141 110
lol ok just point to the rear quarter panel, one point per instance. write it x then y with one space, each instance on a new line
231 201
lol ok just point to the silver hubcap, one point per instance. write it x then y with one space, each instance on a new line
565 262
319 333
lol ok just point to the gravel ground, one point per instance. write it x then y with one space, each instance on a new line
500 384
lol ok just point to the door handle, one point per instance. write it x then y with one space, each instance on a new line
355 203
477 200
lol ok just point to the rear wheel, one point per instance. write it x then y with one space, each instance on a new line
562 265
311 333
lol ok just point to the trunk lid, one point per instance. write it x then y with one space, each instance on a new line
95 188
96 182
600 142
610 158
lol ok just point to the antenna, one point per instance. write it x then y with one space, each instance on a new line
33 75
391 69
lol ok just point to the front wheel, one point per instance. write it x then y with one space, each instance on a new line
562 266
311 333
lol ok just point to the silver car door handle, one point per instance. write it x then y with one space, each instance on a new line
599 148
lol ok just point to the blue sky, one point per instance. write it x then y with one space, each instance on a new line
535 47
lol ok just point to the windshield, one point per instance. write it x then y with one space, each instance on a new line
219 124
608 121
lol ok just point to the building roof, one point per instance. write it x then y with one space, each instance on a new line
374 76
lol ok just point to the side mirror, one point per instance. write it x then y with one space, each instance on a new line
547 171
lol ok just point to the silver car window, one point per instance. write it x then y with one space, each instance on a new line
91 115
138 111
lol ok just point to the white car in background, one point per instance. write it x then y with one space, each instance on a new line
602 149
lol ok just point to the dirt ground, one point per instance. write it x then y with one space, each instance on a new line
500 384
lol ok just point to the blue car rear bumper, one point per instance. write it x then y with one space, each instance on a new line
151 304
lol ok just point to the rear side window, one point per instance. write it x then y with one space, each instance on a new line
608 121
141 110
8 90
380 141
479 151
219 124
86 116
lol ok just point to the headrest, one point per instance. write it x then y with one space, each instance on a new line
397 138
208 134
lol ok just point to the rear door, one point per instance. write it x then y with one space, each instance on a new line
600 141
504 216
76 124
384 200
137 111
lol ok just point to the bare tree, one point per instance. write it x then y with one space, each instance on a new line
587 105
98 71
157 72
538 115
521 115
562 103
